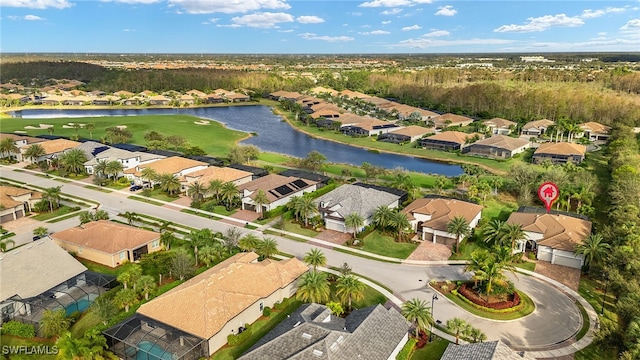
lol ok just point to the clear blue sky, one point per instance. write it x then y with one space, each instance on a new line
311 26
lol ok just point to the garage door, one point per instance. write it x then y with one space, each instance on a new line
334 225
567 261
544 253
6 218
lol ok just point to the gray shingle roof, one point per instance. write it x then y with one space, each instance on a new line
348 199
312 332
493 350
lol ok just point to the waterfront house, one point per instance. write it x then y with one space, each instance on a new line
430 216
206 175
52 149
369 127
497 147
159 100
449 120
559 153
128 159
407 134
278 189
108 243
175 165
447 141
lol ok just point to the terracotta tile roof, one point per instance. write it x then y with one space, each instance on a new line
271 182
106 236
559 231
455 119
442 211
170 165
326 106
320 90
7 193
500 122
561 148
452 136
413 130
353 94
225 174
58 145
537 124
326 112
369 124
349 118
204 304
503 142
17 137
123 93
286 94
595 127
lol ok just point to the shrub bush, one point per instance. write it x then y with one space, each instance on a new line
275 212
233 339
471 296
407 350
266 312
531 256
19 329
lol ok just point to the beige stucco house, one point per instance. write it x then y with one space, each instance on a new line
15 202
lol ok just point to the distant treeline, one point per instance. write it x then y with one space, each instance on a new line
583 95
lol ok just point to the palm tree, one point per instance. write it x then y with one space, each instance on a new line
54 322
166 238
103 308
40 231
90 127
5 243
382 217
229 193
458 327
146 284
100 168
52 195
355 222
459 227
493 232
593 249
492 272
125 298
131 217
260 199
34 152
215 187
307 209
249 242
169 183
313 286
149 174
418 313
267 248
476 335
196 191
8 147
400 222
73 161
479 260
315 258
294 205
350 288
114 168
514 233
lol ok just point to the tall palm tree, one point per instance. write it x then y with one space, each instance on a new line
459 227
8 147
166 238
315 258
131 217
493 232
514 233
267 247
149 174
307 209
479 260
54 322
34 152
249 242
354 221
229 193
169 183
90 127
113 168
294 205
418 313
100 168
458 327
382 216
53 196
313 286
492 273
215 187
146 284
125 298
260 199
593 249
477 335
196 191
400 222
73 161
350 288
40 231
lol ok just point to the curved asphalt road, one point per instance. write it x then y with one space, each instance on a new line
555 319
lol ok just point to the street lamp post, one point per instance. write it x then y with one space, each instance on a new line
433 299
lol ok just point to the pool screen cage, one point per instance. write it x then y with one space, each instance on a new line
73 295
140 337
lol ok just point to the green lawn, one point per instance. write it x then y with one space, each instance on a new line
7 340
496 209
592 290
97 188
162 196
221 209
146 200
466 249
528 308
62 210
214 138
431 351
293 227
385 245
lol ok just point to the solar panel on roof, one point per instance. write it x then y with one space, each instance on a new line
283 190
299 184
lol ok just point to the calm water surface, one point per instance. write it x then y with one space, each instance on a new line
274 135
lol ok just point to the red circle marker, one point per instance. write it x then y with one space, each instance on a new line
548 193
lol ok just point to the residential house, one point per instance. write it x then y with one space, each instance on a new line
214 99
159 100
430 216
323 90
128 159
537 127
285 95
279 189
312 331
554 236
78 100
175 165
257 172
52 149
16 202
491 350
500 126
237 97
594 131
497 147
448 141
406 134
20 141
187 99
106 100
123 94
327 113
449 119
322 180
353 94
202 312
53 100
92 148
224 174
197 93
370 127
347 199
559 153
42 276
108 243
134 100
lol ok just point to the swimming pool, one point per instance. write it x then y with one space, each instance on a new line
151 351
79 305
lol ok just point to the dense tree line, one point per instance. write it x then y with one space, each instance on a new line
36 74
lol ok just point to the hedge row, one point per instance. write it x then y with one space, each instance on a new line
19 329
233 339
471 296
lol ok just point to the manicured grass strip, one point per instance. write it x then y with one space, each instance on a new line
198 213
62 210
4 180
145 200
7 235
531 266
431 351
378 243
97 188
297 229
526 309
58 219
585 321
364 256
278 233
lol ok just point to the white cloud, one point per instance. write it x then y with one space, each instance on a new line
133 1
312 36
436 33
13 17
413 27
394 11
375 32
38 4
542 23
228 25
33 18
305 19
226 6
633 25
602 33
262 20
446 10
286 31
210 21
424 43
129 30
589 14
386 22
393 3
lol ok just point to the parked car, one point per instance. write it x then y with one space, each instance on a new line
135 188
